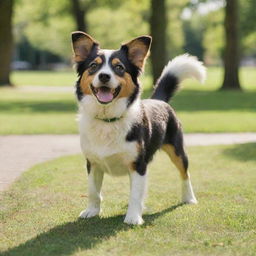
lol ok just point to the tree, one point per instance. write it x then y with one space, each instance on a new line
6 42
158 23
57 20
80 9
231 52
79 14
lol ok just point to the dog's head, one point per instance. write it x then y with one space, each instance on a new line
108 75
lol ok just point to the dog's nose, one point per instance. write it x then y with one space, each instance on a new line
104 78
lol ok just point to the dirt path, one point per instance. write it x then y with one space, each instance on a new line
20 152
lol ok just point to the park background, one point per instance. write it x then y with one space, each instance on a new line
36 36
39 211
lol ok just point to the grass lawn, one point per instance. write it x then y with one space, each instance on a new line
67 78
39 212
24 112
44 78
200 107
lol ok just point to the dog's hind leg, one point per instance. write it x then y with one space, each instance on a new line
176 152
95 177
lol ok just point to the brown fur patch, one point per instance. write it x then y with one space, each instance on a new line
98 60
82 47
86 79
177 160
138 51
127 85
115 61
85 82
139 149
133 166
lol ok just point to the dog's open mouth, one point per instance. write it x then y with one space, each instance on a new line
105 94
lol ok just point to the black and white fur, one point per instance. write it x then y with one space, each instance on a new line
120 135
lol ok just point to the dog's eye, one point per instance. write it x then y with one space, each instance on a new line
93 66
119 68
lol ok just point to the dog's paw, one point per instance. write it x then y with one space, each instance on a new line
89 212
133 219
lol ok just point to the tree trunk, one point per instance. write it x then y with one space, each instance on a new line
79 15
158 32
6 41
231 52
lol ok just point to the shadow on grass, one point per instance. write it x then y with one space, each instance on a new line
81 234
194 100
187 100
242 152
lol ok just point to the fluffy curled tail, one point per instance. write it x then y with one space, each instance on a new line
180 68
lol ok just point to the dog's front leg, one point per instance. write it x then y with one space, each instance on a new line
95 178
136 201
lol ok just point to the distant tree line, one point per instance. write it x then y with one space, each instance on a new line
47 25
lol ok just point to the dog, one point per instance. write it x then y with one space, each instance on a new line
119 132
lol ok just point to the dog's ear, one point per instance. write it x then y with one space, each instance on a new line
138 50
82 44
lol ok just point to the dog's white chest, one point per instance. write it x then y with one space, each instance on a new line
105 145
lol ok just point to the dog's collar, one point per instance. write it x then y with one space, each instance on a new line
109 120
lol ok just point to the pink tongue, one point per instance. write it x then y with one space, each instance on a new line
104 96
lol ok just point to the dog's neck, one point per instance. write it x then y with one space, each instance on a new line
112 112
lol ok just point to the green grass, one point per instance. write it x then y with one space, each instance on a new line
215 111
67 78
39 212
44 78
200 107
24 112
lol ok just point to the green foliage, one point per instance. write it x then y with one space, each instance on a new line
113 26
249 45
194 30
39 212
248 26
47 24
59 33
213 39
175 37
248 16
